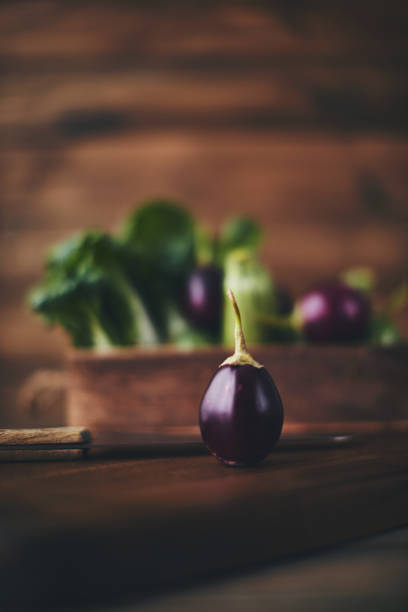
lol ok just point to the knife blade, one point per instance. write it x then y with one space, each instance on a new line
65 443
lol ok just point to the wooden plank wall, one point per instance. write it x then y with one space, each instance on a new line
293 112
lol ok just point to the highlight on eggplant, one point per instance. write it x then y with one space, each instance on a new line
241 412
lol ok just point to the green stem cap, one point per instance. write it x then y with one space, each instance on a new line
241 355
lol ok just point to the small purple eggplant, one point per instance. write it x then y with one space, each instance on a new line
203 298
329 312
334 312
241 412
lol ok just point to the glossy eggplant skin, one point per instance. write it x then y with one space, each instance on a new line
241 415
334 312
203 298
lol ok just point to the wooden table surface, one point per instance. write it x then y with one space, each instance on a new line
104 530
364 575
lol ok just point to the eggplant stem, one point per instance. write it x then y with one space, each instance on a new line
241 355
240 344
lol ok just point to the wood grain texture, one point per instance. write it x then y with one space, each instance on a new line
316 31
46 435
30 455
104 530
293 113
155 389
281 179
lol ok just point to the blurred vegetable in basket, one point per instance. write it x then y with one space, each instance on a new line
158 254
120 291
86 291
254 288
163 279
204 291
341 311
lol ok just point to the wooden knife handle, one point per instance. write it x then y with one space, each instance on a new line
74 436
46 444
18 455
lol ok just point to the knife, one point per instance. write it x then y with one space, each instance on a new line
67 443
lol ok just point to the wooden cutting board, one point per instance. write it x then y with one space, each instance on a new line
101 530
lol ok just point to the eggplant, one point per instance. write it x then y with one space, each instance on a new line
329 312
334 312
241 412
203 298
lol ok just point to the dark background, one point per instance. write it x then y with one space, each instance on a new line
293 112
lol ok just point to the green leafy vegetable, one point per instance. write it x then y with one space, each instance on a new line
239 233
162 233
120 291
86 291
159 240
66 302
